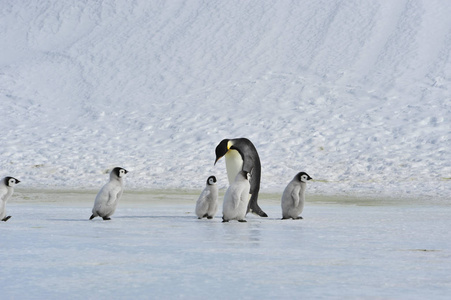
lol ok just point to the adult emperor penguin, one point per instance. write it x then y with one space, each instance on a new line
6 190
109 195
241 155
236 198
293 197
207 204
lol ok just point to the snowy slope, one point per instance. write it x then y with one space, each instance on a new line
356 93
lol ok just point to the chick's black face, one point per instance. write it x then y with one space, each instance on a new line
211 180
119 172
11 181
221 149
303 177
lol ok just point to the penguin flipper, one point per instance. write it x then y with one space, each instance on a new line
112 198
295 197
3 193
204 195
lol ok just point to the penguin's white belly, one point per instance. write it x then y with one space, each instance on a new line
107 199
213 207
236 200
234 164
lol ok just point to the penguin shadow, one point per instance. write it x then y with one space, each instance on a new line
154 217
161 217
216 219
69 220
122 218
148 217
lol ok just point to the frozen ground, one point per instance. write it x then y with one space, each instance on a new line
356 93
155 248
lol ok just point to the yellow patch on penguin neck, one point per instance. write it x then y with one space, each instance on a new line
229 145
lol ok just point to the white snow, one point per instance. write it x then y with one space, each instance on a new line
355 93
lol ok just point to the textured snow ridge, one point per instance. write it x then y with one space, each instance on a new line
355 93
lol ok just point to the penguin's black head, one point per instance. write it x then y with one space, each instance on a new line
247 175
303 177
222 149
11 181
211 180
119 172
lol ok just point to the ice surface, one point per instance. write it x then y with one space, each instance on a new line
357 94
155 248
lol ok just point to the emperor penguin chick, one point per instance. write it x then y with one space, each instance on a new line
236 198
6 190
207 204
293 197
109 195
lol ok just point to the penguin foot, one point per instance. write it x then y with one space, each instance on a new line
204 216
255 209
106 218
92 217
297 218
209 217
6 218
242 221
224 220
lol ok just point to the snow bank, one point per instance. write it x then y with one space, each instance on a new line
354 93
